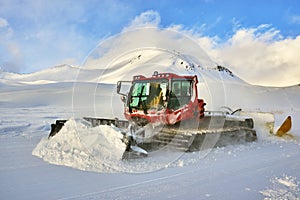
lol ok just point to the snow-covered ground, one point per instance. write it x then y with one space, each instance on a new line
33 167
268 168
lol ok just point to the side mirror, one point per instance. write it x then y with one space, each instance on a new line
123 87
119 85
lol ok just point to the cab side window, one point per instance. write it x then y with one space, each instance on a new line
180 94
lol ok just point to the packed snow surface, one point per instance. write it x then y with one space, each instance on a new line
84 162
268 168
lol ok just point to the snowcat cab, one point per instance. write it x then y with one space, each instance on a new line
164 98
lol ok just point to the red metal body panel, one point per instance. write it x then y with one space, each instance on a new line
194 109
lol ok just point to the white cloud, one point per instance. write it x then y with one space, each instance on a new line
5 30
11 58
48 32
147 18
3 22
295 19
261 56
14 59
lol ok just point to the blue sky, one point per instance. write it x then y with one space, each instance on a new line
37 34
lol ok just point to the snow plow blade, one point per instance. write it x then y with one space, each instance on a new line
122 124
285 127
131 152
55 128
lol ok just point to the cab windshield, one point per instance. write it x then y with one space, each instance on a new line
160 94
148 94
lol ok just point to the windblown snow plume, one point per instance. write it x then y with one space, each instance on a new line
83 147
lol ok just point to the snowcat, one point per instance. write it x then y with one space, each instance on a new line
165 111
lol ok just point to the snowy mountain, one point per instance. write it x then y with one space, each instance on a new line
56 74
62 73
80 87
63 168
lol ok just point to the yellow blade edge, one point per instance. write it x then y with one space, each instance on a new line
285 127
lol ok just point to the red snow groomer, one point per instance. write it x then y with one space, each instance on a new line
165 111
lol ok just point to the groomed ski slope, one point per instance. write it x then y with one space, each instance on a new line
268 168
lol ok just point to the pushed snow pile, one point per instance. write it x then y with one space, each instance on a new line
83 147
